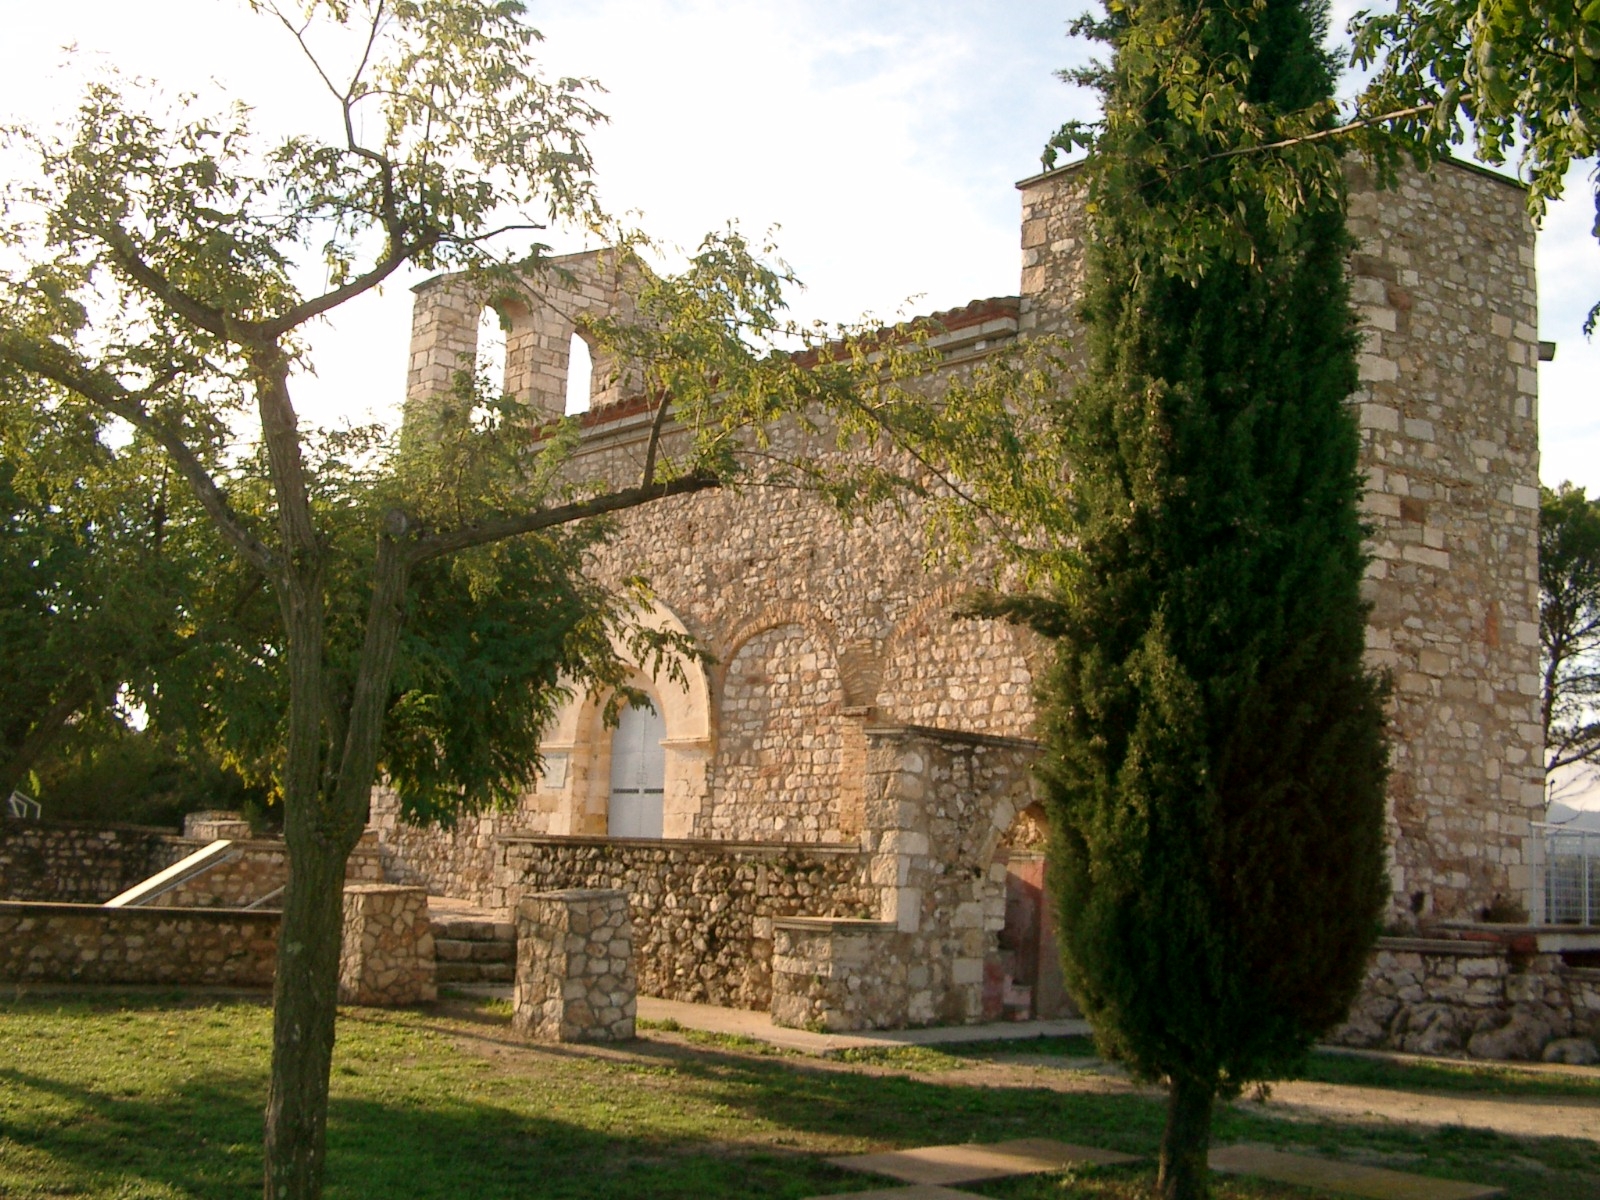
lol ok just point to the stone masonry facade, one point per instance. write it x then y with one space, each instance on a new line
1443 280
844 708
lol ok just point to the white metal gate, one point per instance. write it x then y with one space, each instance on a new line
1571 876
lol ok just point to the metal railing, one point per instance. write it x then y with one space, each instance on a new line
23 807
1571 875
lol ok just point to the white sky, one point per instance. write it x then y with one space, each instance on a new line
883 138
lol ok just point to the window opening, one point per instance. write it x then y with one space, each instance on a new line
580 376
491 357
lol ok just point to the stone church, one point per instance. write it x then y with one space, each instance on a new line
834 818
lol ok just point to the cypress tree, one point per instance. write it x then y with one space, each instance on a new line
1215 748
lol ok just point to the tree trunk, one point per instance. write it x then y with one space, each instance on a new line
1185 1174
320 831
305 995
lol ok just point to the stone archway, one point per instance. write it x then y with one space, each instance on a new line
949 673
780 751
1028 976
580 745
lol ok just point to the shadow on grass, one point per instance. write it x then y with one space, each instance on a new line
489 1116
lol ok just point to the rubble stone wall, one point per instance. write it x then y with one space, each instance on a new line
86 943
75 864
702 912
255 871
575 977
1494 999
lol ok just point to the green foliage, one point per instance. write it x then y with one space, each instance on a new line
1215 759
1569 624
102 772
109 577
1211 121
1521 78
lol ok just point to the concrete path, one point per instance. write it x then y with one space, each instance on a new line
973 1163
741 1022
1342 1178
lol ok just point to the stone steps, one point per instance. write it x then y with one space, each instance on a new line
474 950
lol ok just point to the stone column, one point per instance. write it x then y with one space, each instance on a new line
387 954
575 976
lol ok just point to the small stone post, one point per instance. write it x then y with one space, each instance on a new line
386 957
575 977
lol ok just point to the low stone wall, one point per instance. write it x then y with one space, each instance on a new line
702 912
387 953
83 943
75 864
1488 994
387 946
575 978
254 871
67 863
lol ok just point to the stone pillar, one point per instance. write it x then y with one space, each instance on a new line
387 954
839 974
213 824
575 977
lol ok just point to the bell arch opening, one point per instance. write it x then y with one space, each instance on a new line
580 376
490 359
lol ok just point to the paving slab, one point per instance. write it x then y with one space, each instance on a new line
741 1022
1342 1178
917 1191
970 1162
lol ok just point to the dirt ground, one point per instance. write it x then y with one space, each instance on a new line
1518 1116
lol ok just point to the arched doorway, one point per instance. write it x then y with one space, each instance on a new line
1030 981
638 775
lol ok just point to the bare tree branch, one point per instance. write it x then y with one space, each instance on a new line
1323 134
438 544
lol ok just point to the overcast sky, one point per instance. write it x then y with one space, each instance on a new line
884 138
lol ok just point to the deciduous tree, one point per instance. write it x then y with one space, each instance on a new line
1569 625
431 595
107 570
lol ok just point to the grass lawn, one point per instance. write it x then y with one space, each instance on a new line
159 1097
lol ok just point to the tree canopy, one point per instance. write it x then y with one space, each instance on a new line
1569 625
431 592
1520 79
